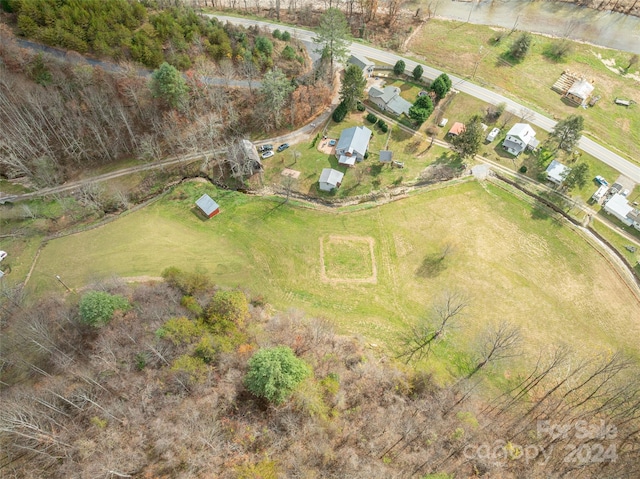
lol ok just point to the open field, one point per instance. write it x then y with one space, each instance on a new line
516 265
458 48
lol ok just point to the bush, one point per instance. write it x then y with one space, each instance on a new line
523 169
277 34
264 45
188 283
384 128
399 67
97 307
288 53
286 36
360 107
274 373
371 118
340 113
193 370
190 303
381 122
228 306
180 331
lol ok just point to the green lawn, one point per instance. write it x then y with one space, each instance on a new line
457 48
515 264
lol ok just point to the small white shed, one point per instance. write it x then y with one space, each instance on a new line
330 179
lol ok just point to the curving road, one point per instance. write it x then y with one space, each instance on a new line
605 155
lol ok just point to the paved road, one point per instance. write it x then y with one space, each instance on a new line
588 146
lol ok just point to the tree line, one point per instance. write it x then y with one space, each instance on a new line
185 378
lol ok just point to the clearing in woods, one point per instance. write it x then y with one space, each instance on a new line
515 263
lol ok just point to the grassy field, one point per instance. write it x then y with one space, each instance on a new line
457 48
516 265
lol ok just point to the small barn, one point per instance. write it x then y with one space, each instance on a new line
330 179
456 129
208 206
579 92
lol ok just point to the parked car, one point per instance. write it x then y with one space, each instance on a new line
3 255
267 154
283 147
265 148
601 181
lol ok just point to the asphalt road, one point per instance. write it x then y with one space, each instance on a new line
588 146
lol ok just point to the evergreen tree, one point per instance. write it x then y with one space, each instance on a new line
577 176
276 89
167 83
421 109
468 142
274 373
399 67
353 86
332 37
417 72
441 85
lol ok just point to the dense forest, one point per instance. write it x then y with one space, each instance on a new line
63 115
165 380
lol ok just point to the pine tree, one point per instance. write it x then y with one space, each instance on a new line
353 86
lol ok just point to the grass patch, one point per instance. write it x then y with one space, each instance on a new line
538 274
347 258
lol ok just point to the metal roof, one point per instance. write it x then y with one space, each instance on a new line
354 140
556 171
207 204
331 176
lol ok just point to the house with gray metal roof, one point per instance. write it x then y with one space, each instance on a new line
363 63
330 179
520 137
557 172
389 99
353 145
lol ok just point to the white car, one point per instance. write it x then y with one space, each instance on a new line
3 255
267 154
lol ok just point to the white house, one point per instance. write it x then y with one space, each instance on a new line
363 63
520 137
619 206
330 179
353 144
389 99
557 172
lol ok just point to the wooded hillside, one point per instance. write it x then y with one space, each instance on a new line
152 381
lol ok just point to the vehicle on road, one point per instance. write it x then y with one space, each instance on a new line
283 147
267 154
267 147
601 181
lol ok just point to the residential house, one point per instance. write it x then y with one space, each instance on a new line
208 206
619 206
557 172
353 145
366 65
520 137
389 99
579 92
330 179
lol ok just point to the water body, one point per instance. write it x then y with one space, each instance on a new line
608 29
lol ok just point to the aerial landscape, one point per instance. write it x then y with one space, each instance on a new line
308 239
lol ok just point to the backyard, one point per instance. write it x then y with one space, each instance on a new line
513 263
